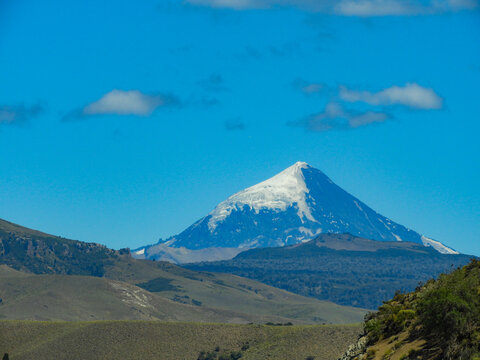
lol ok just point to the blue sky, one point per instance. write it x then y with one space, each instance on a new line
123 122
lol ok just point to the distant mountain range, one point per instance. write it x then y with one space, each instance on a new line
292 207
39 280
342 268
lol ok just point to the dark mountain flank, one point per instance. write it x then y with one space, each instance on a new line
30 250
341 268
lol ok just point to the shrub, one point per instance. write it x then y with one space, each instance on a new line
373 328
449 311
207 355
445 312
235 355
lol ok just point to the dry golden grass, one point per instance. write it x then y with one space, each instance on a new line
395 348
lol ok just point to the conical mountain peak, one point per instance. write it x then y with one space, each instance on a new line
291 207
299 165
284 190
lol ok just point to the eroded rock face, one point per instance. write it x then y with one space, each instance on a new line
356 351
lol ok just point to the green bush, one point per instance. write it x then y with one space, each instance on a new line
449 311
373 328
444 312
235 355
207 355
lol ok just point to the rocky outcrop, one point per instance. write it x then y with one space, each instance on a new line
356 351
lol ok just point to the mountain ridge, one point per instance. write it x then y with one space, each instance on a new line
342 268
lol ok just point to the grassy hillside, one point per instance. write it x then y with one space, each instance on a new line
342 268
168 341
206 298
229 292
69 297
228 298
440 320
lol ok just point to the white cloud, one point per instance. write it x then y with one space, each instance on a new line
366 118
309 88
411 95
130 102
401 7
362 8
376 8
312 88
459 4
335 117
234 4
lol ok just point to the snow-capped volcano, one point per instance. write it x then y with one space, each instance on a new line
292 207
278 193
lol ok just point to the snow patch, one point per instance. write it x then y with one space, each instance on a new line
278 193
397 237
170 242
358 206
250 243
388 228
437 245
305 231
140 252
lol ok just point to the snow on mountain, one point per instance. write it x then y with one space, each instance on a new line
285 189
292 207
437 245
139 252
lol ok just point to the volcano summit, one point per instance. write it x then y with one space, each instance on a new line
291 207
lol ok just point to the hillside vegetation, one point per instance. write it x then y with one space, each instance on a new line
342 268
171 292
26 340
40 253
440 320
